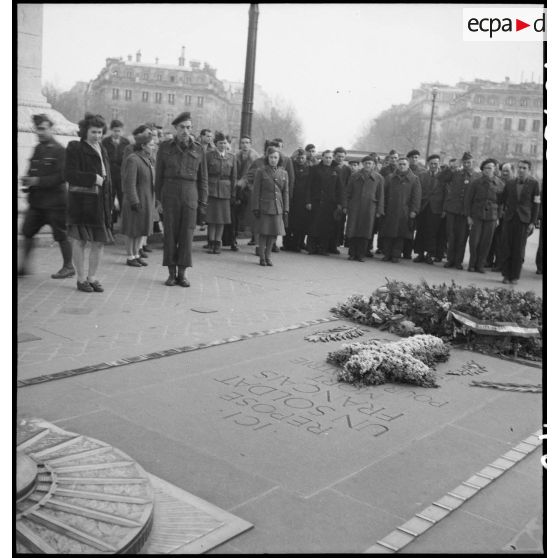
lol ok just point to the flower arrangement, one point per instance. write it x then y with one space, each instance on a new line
406 308
406 361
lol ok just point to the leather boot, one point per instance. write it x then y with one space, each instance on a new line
210 247
172 276
217 247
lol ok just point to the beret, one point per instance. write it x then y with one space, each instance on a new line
466 156
413 152
219 136
116 124
433 156
181 118
367 158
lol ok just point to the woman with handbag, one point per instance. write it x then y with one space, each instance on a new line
87 172
138 179
270 203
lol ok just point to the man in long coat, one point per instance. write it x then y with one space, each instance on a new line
431 208
363 202
521 200
402 203
344 171
324 200
181 186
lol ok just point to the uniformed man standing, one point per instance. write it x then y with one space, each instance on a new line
521 199
181 186
48 201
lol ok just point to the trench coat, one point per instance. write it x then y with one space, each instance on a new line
138 177
82 165
364 199
402 197
325 193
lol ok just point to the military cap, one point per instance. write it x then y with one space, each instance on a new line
413 152
181 118
219 136
487 161
433 156
466 156
38 119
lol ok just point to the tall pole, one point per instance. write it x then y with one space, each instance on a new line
434 93
249 72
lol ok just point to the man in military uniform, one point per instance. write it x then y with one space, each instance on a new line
181 187
47 196
521 200
457 183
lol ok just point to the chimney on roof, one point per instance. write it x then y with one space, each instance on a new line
129 57
138 56
181 59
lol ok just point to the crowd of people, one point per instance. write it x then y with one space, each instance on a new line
316 203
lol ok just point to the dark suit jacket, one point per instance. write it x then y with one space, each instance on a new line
433 192
526 205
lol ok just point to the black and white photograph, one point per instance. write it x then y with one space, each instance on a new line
280 278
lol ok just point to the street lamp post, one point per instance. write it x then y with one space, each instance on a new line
434 94
249 72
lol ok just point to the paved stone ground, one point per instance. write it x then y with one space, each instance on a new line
61 328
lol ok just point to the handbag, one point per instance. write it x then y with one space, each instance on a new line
92 191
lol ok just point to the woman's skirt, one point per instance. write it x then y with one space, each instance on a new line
91 233
271 225
218 211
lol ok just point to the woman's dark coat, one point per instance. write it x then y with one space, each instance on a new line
81 169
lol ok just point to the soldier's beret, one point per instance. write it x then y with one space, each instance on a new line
433 156
466 156
413 152
40 118
181 118
219 136
367 158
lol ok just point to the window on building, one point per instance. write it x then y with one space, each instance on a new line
115 93
159 77
524 102
534 149
158 97
476 122
474 143
200 101
479 99
507 123
510 101
129 74
170 118
128 94
188 79
519 148
188 99
172 78
536 125
538 103
492 100
145 75
145 96
489 122
522 124
114 113
171 98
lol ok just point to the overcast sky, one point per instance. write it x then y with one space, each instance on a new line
339 65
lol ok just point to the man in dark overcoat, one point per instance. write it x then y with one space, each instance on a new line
363 203
116 144
344 171
181 187
324 200
521 201
402 203
457 183
429 218
48 199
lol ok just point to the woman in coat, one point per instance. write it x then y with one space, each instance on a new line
221 180
87 171
299 216
364 201
270 203
138 178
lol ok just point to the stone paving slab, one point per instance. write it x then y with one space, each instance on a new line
270 408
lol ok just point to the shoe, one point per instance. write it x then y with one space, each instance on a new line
182 281
133 263
64 272
470 268
394 260
506 281
141 262
283 249
208 247
496 268
378 251
84 286
438 260
406 256
262 263
322 253
334 251
351 258
448 264
459 266
274 248
251 243
269 263
146 248
419 259
257 251
428 260
513 281
234 247
480 270
369 255
359 259
171 281
143 254
216 247
97 287
386 259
